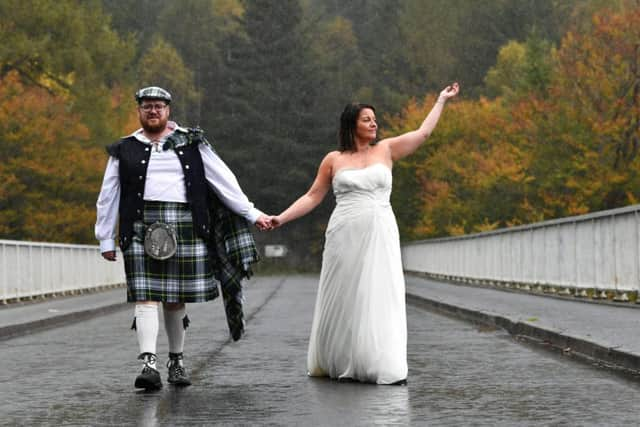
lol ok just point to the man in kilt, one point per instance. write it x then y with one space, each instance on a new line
157 192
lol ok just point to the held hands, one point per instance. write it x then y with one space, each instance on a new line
268 222
263 223
109 255
276 221
449 92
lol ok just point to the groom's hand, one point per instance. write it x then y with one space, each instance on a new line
263 223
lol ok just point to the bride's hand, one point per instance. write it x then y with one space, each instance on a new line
276 221
449 92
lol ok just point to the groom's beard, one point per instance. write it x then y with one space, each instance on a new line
156 126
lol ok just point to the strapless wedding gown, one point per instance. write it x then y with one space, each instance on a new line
359 328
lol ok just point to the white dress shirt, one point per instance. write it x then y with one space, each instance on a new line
165 182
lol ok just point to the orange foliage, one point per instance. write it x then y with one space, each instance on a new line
462 169
49 174
567 151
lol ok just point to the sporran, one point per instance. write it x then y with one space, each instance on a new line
160 241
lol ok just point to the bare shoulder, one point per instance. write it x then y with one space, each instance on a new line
383 148
330 159
325 171
332 155
391 146
384 144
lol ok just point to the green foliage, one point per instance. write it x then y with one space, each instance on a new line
61 44
337 63
68 48
522 69
163 66
269 133
136 19
507 76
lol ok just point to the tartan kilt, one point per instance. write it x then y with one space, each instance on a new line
185 277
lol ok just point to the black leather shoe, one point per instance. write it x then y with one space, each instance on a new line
177 373
149 378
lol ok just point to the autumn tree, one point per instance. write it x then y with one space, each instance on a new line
560 138
64 94
68 48
48 174
586 133
464 178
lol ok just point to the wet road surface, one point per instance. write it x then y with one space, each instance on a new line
459 374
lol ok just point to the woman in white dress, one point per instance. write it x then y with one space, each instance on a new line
359 329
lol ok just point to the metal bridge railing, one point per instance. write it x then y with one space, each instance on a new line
32 269
594 255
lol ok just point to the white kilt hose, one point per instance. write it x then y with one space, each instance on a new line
185 277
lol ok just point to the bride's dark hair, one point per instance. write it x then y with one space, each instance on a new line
348 120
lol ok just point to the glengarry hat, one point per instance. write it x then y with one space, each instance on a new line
153 92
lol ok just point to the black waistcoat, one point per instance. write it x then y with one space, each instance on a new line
133 157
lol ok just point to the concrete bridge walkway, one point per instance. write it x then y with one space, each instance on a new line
460 373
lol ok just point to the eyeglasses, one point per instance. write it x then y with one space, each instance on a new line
148 107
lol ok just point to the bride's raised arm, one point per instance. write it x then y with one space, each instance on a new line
405 144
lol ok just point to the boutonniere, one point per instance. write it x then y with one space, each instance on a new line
181 139
175 140
196 135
